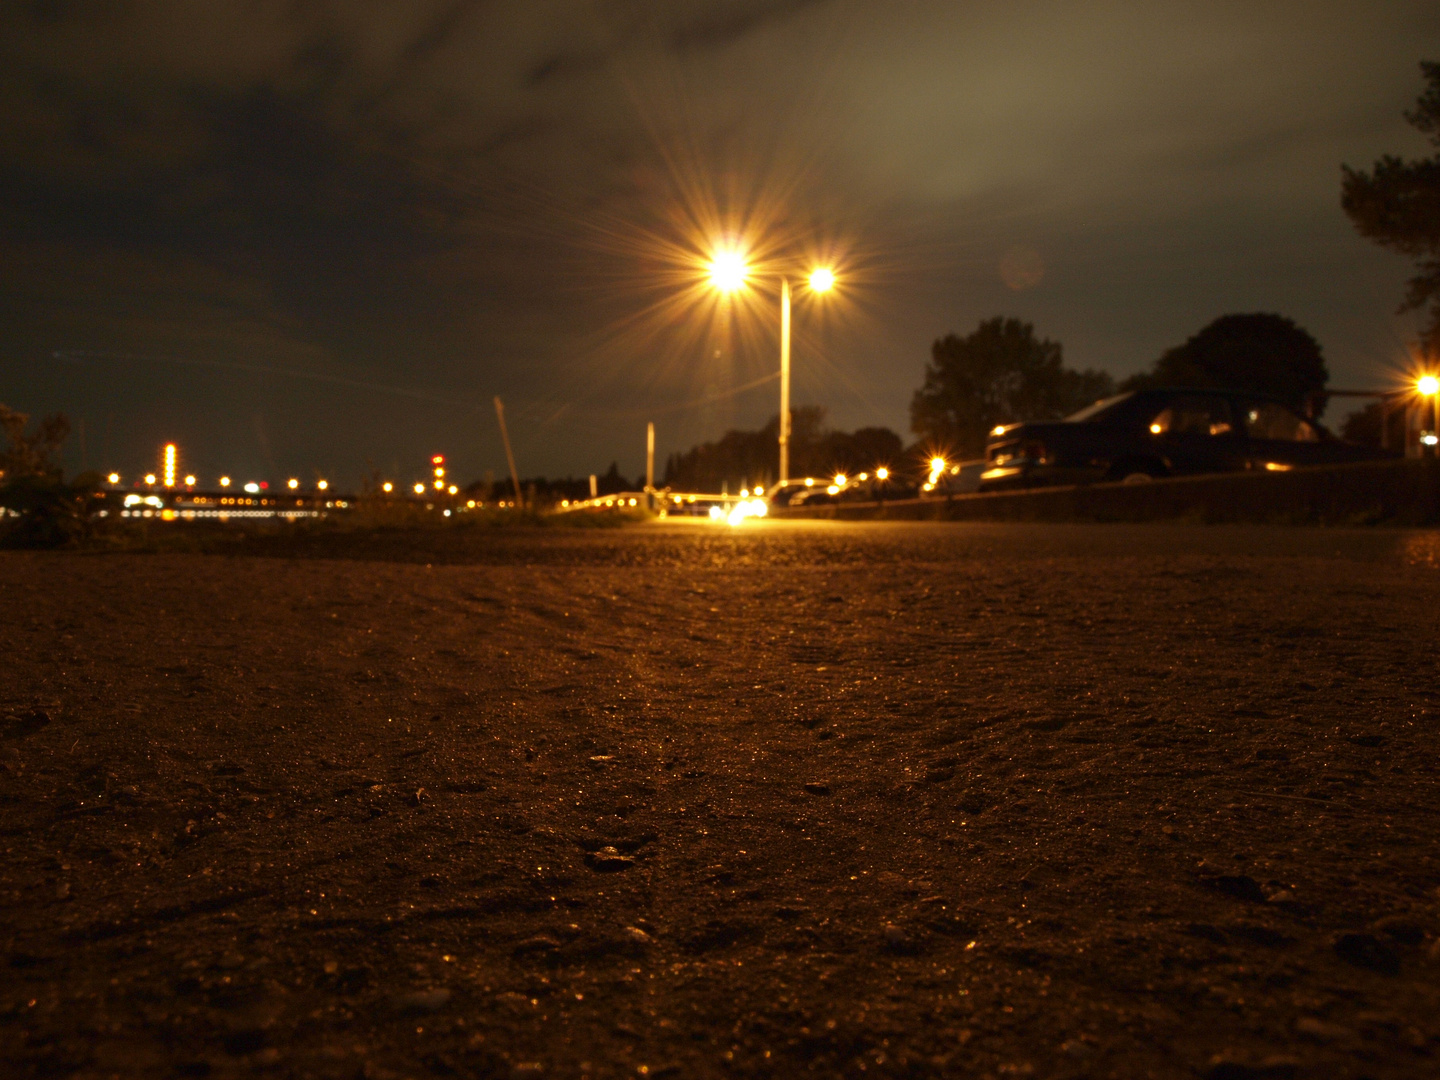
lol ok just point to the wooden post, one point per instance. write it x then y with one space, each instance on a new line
509 454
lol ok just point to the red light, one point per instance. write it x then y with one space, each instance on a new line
438 459
264 485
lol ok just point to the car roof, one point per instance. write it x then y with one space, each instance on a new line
1216 391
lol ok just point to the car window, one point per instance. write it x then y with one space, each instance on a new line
1269 420
1193 416
1100 410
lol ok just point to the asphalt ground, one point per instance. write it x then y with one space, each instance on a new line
789 799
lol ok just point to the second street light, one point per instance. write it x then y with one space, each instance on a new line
730 273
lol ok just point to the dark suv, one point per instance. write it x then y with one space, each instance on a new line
1152 433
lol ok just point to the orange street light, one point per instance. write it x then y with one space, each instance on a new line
1429 386
729 273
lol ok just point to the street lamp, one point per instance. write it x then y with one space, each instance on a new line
729 272
1429 386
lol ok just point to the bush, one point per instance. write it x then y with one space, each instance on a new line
38 509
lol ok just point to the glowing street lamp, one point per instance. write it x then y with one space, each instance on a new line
1429 386
323 485
387 487
114 478
419 489
729 272
150 479
292 483
224 481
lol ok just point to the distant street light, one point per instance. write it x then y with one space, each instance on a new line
292 483
224 481
114 478
729 272
387 487
323 485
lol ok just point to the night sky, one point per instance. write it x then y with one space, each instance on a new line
299 237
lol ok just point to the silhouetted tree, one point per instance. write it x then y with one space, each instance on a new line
1397 205
998 374
1363 426
751 457
30 455
1268 354
51 512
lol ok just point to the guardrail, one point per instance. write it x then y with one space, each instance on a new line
1405 492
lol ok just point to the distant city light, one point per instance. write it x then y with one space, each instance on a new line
150 478
840 480
439 485
169 465
419 489
252 487
292 483
1428 384
224 481
114 478
387 486
189 481
323 485
882 473
453 490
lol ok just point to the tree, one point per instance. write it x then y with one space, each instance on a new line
1268 354
738 458
51 513
1364 426
1397 205
998 374
30 455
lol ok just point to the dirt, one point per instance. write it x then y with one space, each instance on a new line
821 799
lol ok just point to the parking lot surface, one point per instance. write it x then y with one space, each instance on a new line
794 798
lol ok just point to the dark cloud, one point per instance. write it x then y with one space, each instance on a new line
725 23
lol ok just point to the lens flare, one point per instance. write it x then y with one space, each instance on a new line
729 271
822 279
1427 385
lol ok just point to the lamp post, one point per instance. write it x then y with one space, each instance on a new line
730 273
1429 386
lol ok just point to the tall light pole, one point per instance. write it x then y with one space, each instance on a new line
729 273
1429 386
784 379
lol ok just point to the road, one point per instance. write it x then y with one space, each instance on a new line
920 800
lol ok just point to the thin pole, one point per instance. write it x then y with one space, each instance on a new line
784 379
650 457
509 454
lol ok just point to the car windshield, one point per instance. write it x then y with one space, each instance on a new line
1098 411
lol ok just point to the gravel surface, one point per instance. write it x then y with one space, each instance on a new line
809 798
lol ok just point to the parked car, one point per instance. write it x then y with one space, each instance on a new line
1152 433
